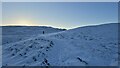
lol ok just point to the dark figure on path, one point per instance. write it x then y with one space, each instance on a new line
43 32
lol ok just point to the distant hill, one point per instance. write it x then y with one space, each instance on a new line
28 30
16 33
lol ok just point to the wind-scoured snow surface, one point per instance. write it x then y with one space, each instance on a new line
84 46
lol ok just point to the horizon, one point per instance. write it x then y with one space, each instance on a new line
65 15
58 27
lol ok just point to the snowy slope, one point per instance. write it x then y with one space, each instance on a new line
83 46
0 47
0 56
12 34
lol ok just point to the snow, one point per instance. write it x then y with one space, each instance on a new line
13 34
83 46
0 47
0 56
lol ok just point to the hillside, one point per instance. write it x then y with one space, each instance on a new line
11 34
84 46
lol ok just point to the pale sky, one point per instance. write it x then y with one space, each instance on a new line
59 14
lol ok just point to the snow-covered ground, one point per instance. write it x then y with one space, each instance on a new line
11 34
0 56
83 46
0 47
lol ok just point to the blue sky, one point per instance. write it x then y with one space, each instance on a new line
59 14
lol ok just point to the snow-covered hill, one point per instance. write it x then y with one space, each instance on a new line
12 34
83 46
0 47
0 56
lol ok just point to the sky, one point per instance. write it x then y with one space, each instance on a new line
59 14
60 0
